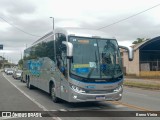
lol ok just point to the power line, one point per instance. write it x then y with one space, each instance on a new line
19 28
129 17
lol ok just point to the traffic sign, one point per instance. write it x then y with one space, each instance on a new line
1 47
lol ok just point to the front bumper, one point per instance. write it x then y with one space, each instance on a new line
9 73
18 77
83 97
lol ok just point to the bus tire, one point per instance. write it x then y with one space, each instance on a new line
53 94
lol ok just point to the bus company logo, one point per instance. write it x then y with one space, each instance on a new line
6 114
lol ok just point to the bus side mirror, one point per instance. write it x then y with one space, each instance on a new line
129 50
69 46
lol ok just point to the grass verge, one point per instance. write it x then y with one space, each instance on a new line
142 85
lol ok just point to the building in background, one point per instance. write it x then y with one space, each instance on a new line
146 62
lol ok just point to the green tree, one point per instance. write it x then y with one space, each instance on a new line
139 40
20 63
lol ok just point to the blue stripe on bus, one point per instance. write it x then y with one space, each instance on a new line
99 83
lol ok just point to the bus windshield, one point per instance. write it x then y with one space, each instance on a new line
95 58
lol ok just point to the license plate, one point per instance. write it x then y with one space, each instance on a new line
100 98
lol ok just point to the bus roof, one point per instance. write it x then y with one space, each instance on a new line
82 32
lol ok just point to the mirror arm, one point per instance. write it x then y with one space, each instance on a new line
129 50
69 46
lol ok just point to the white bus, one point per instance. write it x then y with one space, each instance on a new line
76 65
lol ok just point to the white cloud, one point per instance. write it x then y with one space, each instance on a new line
33 16
4 26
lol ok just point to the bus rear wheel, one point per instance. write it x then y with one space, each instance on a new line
53 94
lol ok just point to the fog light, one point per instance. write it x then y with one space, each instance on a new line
120 95
75 97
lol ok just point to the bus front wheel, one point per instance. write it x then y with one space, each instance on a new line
53 94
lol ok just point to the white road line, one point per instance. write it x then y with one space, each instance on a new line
120 106
33 100
62 110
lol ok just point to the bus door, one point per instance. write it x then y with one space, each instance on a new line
62 76
61 61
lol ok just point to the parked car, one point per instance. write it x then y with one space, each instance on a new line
17 74
5 70
9 71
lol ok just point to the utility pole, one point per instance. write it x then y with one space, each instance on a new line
53 22
54 40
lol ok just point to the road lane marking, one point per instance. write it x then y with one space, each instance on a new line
119 106
62 110
129 105
133 106
33 100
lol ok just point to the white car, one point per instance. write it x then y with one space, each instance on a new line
5 70
17 74
9 71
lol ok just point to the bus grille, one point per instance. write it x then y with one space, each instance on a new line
99 91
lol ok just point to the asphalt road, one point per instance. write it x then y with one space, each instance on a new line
15 96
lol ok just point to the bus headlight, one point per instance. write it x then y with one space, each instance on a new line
118 88
77 89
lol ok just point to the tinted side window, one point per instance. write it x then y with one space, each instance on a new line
61 51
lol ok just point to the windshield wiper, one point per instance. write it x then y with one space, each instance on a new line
96 60
89 74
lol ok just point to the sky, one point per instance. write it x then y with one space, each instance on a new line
30 19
